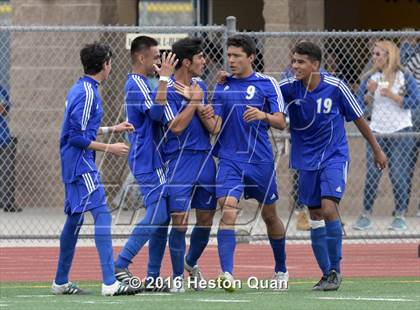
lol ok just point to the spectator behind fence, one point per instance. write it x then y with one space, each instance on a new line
413 64
392 91
7 157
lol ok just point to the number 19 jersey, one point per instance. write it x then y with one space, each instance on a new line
317 121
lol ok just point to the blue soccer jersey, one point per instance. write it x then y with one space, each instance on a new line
82 117
144 155
195 136
239 140
317 121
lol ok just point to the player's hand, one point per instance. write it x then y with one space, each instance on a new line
380 159
123 127
221 76
167 66
197 93
372 86
205 111
252 114
192 92
118 149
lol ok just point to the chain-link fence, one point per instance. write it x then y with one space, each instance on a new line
39 64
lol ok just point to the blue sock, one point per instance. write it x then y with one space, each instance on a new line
177 248
103 240
226 243
199 240
68 240
320 249
157 245
334 243
154 218
279 251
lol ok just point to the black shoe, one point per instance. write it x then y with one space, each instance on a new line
163 288
123 274
320 286
333 281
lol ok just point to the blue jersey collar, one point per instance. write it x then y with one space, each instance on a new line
90 80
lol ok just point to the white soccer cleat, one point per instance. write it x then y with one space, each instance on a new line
68 288
226 281
177 285
282 279
119 288
195 277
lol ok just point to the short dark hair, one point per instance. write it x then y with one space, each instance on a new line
141 44
186 49
93 56
244 41
309 49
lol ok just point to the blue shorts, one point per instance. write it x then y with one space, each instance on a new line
328 182
191 179
256 181
84 194
151 186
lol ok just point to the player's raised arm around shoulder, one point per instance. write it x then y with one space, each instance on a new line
274 104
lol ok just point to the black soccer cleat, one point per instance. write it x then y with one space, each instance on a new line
333 281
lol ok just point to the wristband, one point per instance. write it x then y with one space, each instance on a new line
105 130
164 78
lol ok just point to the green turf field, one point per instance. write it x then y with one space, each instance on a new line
401 293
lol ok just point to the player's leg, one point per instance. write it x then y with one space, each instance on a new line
157 245
204 202
333 185
310 195
68 240
229 189
261 184
177 247
73 207
156 216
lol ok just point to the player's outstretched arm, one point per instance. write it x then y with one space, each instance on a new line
121 127
118 149
378 155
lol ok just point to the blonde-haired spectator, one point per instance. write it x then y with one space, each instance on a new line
392 92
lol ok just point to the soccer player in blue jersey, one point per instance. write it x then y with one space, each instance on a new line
83 188
191 170
317 105
248 103
145 110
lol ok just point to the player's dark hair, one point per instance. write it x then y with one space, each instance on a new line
186 49
93 56
244 41
141 44
309 49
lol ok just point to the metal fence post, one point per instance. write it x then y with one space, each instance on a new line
230 29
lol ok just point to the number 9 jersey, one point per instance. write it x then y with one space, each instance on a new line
317 121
